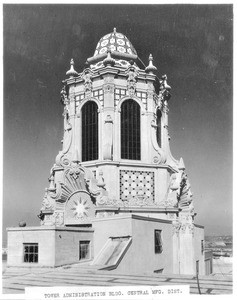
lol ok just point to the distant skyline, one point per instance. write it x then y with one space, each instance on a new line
192 44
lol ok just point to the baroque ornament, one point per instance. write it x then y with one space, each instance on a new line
132 74
59 218
86 76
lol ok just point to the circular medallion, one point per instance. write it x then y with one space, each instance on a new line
120 42
126 177
103 50
126 184
121 49
119 35
112 48
126 192
148 178
148 193
104 43
148 185
79 208
133 185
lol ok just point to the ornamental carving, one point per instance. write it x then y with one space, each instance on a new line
59 218
139 201
150 90
108 88
73 181
176 225
79 208
164 93
159 104
62 159
136 187
185 195
87 76
64 96
179 193
132 74
187 228
74 197
104 214
48 203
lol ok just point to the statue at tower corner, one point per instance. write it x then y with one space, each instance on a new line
164 89
179 193
132 74
86 75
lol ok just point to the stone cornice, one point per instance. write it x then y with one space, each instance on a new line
127 164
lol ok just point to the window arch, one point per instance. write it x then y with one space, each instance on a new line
89 127
130 130
158 130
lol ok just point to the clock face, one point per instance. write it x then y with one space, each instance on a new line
79 208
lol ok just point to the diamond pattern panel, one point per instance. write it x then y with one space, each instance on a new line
136 183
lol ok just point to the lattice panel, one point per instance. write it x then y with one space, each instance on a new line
136 184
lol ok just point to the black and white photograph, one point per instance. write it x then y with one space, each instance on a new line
117 161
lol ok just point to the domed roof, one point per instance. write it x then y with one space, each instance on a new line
116 42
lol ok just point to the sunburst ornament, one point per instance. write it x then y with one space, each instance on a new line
80 209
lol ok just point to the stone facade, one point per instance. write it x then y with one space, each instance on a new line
116 160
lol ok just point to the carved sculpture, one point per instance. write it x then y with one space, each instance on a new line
132 74
86 75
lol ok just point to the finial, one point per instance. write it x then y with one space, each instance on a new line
114 30
108 61
150 68
71 73
164 79
51 183
86 64
181 164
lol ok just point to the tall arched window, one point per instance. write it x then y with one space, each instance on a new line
158 130
130 130
89 129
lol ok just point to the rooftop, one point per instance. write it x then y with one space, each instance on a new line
16 279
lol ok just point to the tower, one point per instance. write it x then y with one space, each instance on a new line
116 162
116 136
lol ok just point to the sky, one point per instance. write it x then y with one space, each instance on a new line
192 44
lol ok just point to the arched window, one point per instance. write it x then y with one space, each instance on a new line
130 130
89 131
158 130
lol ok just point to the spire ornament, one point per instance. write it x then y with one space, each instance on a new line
71 73
150 69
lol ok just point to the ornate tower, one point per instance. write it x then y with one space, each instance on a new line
116 156
117 199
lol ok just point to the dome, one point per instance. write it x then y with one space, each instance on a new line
116 42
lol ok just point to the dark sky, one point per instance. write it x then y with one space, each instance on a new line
192 44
